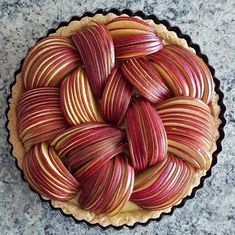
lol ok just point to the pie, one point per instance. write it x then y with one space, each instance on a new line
114 119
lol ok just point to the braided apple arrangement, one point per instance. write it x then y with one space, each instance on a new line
113 118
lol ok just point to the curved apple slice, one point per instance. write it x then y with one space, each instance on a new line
77 101
189 127
133 38
190 150
116 97
78 137
146 80
39 116
146 135
162 185
108 189
134 25
87 147
88 160
184 72
46 173
49 61
95 46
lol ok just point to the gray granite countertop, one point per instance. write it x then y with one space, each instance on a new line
211 24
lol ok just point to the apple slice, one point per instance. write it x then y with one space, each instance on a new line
39 116
133 38
95 46
108 190
184 72
88 146
78 137
88 160
130 24
189 127
163 184
77 101
146 135
116 97
46 173
146 80
49 61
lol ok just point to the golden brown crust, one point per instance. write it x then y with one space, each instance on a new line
130 213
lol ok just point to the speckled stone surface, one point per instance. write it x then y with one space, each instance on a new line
211 24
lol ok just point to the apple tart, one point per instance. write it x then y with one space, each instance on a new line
114 119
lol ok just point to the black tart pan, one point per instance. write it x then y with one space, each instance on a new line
217 90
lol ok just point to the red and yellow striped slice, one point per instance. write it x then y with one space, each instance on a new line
77 101
47 174
95 46
49 61
133 38
146 135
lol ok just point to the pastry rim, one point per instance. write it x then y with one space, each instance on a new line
18 150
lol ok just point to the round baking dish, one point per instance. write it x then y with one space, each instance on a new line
217 90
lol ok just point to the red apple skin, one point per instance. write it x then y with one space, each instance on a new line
149 148
184 72
170 182
83 163
116 98
42 66
136 46
39 116
133 38
77 101
108 190
146 80
189 127
78 137
135 23
89 146
95 45
46 173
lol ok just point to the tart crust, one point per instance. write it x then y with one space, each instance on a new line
131 213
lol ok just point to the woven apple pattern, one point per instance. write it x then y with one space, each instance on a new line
116 115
